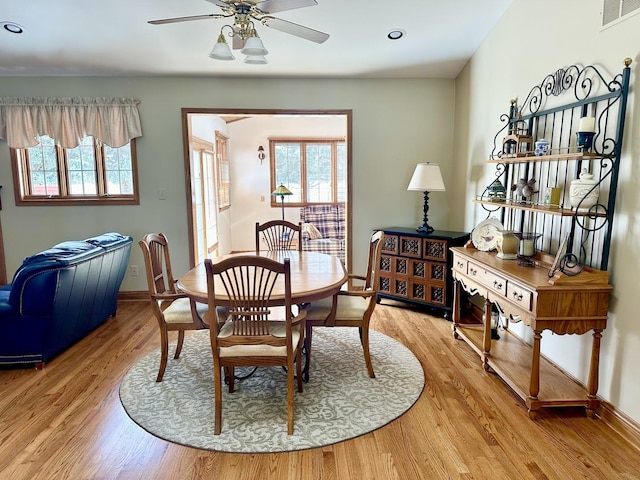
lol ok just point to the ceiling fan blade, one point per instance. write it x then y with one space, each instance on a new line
295 29
220 3
185 19
273 6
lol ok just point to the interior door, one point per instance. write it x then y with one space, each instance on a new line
203 206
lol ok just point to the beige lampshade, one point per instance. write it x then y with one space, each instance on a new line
427 178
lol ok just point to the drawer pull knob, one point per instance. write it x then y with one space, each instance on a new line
460 265
517 296
473 271
497 285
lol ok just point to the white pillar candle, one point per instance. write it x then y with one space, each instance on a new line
587 124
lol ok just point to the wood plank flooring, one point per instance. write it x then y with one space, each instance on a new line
66 422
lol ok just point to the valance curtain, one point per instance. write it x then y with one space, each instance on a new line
114 121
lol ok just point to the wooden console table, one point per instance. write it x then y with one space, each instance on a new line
561 304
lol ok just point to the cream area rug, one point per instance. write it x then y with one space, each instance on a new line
339 402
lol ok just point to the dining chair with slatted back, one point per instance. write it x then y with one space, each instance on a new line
252 337
173 310
352 306
279 235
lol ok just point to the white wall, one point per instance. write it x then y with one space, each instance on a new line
509 63
396 124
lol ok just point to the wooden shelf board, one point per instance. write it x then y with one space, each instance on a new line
510 358
563 212
547 158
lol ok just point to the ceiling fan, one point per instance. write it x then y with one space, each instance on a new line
244 12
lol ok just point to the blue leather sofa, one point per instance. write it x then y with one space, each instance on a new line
59 295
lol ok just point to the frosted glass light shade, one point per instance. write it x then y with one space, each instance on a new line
253 46
427 178
221 50
255 59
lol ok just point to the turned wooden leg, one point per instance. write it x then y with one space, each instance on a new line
486 339
534 383
455 314
592 385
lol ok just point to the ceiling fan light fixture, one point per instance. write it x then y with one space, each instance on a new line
221 50
256 60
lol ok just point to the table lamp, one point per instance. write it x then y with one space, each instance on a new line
426 178
281 191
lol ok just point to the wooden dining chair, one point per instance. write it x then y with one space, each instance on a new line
352 306
279 235
252 337
173 310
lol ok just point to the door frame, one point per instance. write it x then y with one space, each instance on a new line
347 113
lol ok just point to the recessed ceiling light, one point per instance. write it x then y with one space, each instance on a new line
12 27
396 34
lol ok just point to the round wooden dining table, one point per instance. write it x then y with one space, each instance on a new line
313 276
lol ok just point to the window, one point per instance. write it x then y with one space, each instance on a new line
314 170
223 178
92 172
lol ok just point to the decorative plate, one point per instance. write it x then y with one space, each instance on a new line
485 235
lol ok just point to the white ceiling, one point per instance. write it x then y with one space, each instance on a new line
112 37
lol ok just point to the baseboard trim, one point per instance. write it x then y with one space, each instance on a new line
620 423
133 296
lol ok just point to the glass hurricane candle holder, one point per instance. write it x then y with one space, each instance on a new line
527 248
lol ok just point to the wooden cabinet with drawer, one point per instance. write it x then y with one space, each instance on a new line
415 267
561 304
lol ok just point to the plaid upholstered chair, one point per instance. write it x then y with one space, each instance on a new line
323 229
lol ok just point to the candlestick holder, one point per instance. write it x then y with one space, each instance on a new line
584 140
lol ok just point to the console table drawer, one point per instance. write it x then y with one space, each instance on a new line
460 265
520 296
488 279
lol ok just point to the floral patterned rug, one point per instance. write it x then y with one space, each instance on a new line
339 402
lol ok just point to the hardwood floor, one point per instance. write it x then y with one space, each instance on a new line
66 422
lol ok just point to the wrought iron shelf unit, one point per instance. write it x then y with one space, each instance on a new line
553 110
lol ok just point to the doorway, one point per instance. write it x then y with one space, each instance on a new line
250 176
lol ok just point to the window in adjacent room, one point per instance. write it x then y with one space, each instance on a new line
223 177
92 172
314 170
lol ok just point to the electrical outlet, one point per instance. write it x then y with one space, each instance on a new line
134 270
162 194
